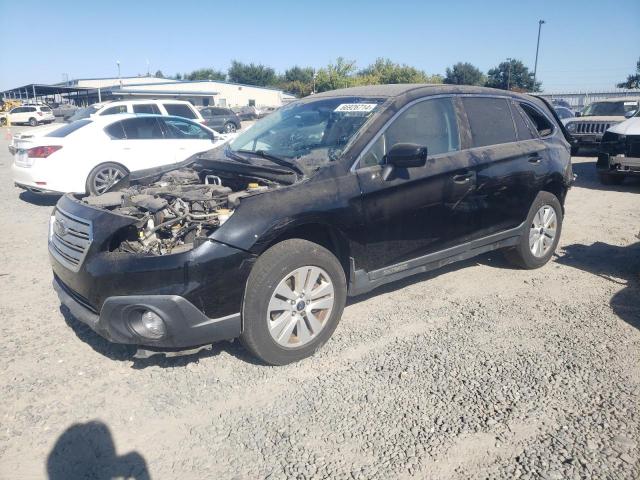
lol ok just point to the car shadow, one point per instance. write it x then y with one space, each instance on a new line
40 200
142 358
87 450
620 265
587 177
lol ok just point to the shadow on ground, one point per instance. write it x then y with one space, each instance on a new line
40 200
587 177
87 451
620 265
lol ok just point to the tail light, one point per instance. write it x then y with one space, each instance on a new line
42 152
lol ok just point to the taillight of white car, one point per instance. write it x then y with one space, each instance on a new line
43 151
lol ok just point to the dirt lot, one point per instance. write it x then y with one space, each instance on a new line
475 371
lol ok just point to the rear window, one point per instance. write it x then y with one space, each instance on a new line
179 110
490 121
68 128
45 109
540 122
147 108
115 110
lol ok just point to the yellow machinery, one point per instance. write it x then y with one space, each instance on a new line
6 106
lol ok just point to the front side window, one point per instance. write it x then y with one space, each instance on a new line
490 121
321 128
150 108
182 129
115 110
430 123
179 110
141 128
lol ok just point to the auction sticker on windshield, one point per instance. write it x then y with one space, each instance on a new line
355 107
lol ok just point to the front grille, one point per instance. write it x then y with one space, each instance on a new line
69 239
586 128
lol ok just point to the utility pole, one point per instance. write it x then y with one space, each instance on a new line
509 74
119 78
535 65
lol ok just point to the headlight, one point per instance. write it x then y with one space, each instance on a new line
572 127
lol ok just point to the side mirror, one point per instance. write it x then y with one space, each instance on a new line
404 155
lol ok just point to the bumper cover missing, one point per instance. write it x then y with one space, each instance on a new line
186 325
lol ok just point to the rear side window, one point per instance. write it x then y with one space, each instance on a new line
151 108
540 122
143 128
490 121
523 127
179 110
68 128
114 110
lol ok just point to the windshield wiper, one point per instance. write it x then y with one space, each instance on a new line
277 160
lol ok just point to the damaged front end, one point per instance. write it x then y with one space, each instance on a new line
176 212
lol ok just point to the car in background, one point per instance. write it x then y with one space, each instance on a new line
64 110
558 102
91 154
564 113
221 119
619 154
32 115
596 118
248 112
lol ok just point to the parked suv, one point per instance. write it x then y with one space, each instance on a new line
33 115
328 197
221 119
619 155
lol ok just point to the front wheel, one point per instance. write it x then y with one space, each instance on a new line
293 302
230 127
3 121
103 177
33 122
541 234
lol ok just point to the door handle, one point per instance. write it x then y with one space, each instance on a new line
535 158
463 178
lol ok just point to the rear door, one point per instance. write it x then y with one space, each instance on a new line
185 138
139 143
510 162
420 210
148 108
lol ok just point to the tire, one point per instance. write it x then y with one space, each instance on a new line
300 323
608 179
522 255
33 122
103 176
230 127
3 121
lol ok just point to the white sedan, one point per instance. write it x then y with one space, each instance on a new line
90 155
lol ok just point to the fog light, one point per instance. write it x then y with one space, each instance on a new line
150 325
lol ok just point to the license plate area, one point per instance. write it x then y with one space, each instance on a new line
21 158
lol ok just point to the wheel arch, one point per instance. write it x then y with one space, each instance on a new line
557 187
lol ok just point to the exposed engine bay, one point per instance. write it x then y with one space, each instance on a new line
177 212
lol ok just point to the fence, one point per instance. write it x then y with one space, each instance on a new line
579 100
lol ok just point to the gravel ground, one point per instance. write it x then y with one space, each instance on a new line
475 371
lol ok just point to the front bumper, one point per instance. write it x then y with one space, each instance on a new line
592 140
618 164
186 326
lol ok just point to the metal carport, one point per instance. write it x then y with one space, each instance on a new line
35 91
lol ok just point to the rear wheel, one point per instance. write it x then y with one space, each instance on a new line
3 121
33 122
230 127
608 179
294 299
541 235
103 177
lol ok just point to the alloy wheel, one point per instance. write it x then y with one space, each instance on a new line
542 231
105 178
229 128
300 306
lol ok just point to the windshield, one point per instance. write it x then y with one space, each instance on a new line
610 109
322 127
83 113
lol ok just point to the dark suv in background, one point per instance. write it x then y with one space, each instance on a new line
223 120
330 196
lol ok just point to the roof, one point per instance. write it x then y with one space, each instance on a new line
398 89
42 90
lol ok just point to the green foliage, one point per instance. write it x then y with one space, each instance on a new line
464 74
633 80
177 76
299 74
384 71
206 74
335 75
512 75
252 74
159 74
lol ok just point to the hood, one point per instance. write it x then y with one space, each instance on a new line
611 119
628 127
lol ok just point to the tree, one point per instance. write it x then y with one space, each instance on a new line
336 75
159 74
464 74
299 74
384 71
512 75
177 76
252 74
633 80
206 74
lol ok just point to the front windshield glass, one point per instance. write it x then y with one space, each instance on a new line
610 109
83 113
319 128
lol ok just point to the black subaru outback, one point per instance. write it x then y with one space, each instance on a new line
330 196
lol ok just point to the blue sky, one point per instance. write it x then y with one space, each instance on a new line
584 44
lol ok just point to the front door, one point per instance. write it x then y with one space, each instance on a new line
421 210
